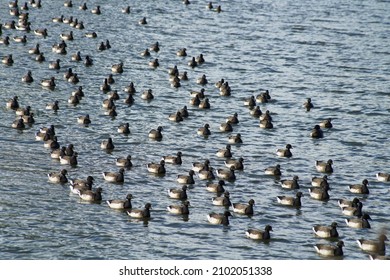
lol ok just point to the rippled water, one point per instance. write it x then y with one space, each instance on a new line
333 52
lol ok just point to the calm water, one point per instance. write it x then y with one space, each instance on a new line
336 53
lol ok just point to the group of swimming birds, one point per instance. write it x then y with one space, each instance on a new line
83 187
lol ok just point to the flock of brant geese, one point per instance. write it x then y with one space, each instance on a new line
216 178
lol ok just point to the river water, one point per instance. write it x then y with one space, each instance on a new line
334 52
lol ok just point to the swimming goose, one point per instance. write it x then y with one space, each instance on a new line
290 200
108 103
154 63
255 112
13 103
28 77
235 139
202 80
105 87
90 195
22 39
237 163
227 153
18 123
74 100
206 174
319 193
359 222
59 19
250 102
174 71
91 34
178 193
225 89
383 177
319 181
88 61
7 60
290 184
184 112
173 159
124 128
120 203
195 101
84 119
176 117
348 203
40 57
308 104
124 162
141 213
156 133
68 4
96 11
186 179
50 83
242 208
326 123
200 94
76 56
233 119
129 100
147 95
183 76
74 79
143 21
192 63
41 32
70 160
5 40
219 219
107 144
284 152
117 68
226 126
23 111
216 187
55 65
205 130
317 132
145 52
227 174
126 10
10 25
324 166
259 234
222 200
326 231
67 37
330 250
36 4
182 52
360 188
58 177
130 88
57 153
273 170
179 209
198 166
82 183
376 246
200 59
83 7
266 124
115 177
261 98
52 143
353 210
156 168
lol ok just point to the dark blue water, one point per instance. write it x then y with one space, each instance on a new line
335 53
